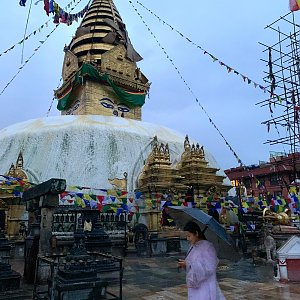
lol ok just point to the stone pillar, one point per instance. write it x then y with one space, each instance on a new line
47 203
40 200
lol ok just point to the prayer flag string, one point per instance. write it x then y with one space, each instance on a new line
187 85
229 69
26 61
42 42
27 21
36 31
53 98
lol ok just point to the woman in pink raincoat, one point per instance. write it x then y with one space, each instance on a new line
201 264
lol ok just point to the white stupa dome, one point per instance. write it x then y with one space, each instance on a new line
87 150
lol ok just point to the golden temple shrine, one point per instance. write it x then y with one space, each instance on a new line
197 173
158 175
13 213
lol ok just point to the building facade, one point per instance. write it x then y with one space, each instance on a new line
268 178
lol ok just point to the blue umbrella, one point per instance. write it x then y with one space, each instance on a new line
214 232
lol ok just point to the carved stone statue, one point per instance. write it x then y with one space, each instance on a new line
270 246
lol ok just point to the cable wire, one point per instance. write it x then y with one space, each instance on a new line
187 85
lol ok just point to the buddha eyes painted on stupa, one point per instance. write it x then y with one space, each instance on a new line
116 108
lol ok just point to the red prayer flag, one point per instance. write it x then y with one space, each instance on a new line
100 198
100 207
46 6
64 194
294 5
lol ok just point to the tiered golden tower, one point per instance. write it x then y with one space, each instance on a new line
101 47
15 210
158 175
196 172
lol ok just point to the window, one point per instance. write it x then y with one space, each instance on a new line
248 183
275 179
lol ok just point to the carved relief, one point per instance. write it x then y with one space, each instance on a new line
70 65
114 62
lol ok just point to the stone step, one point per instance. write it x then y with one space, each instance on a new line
131 252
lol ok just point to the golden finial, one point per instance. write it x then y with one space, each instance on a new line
20 161
187 143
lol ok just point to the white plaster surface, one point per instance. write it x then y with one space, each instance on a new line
86 150
291 249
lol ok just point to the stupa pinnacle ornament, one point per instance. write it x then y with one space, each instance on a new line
100 75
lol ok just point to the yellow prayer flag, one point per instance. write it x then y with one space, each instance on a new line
245 205
112 192
87 197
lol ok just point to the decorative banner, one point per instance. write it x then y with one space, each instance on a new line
117 200
257 204
130 99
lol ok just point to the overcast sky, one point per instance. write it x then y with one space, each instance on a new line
230 30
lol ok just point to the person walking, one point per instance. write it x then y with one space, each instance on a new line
201 265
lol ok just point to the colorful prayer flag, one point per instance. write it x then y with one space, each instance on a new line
294 5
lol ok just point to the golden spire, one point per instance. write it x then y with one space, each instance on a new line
100 30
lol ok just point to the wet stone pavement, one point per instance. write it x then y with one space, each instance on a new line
157 278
